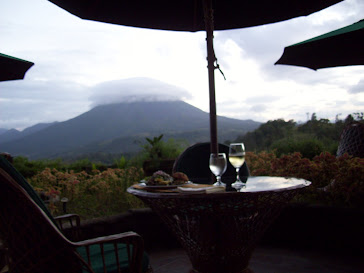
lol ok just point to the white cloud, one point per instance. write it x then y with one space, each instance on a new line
358 88
23 105
136 89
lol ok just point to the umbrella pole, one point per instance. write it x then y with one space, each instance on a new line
208 15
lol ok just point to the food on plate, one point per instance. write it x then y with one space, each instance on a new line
159 178
179 178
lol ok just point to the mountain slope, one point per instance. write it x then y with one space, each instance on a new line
12 134
3 130
103 126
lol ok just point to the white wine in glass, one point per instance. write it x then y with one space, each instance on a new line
237 159
218 165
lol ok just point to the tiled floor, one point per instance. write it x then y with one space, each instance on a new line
267 260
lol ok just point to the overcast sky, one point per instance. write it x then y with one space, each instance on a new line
80 64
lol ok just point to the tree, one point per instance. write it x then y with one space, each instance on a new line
263 137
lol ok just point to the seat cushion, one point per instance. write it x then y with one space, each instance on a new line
110 259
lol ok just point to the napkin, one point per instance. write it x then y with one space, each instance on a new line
198 189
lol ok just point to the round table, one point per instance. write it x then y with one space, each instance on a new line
219 231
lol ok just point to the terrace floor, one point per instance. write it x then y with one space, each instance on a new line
267 259
264 260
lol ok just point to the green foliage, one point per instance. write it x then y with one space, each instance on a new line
156 149
172 148
81 165
310 139
30 168
322 129
308 146
158 154
121 163
262 138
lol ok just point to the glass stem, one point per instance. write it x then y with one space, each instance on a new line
218 178
237 174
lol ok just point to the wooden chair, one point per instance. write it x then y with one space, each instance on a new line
194 162
34 242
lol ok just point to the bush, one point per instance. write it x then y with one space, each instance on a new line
100 193
337 181
259 163
347 186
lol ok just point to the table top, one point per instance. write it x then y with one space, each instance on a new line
254 184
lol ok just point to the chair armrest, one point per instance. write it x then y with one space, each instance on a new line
69 223
135 255
67 217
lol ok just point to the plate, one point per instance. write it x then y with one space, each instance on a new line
160 187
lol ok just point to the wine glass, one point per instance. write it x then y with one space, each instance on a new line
218 166
237 159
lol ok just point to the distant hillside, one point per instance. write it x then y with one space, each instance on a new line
36 128
116 128
9 135
13 134
3 130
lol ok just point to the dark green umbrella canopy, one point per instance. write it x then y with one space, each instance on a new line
194 15
188 15
342 47
12 68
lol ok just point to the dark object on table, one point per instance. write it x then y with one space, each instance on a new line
34 242
352 140
194 162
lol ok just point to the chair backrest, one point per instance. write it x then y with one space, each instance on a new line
22 182
33 242
194 162
352 140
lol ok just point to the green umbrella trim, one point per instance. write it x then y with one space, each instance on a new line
354 27
14 58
